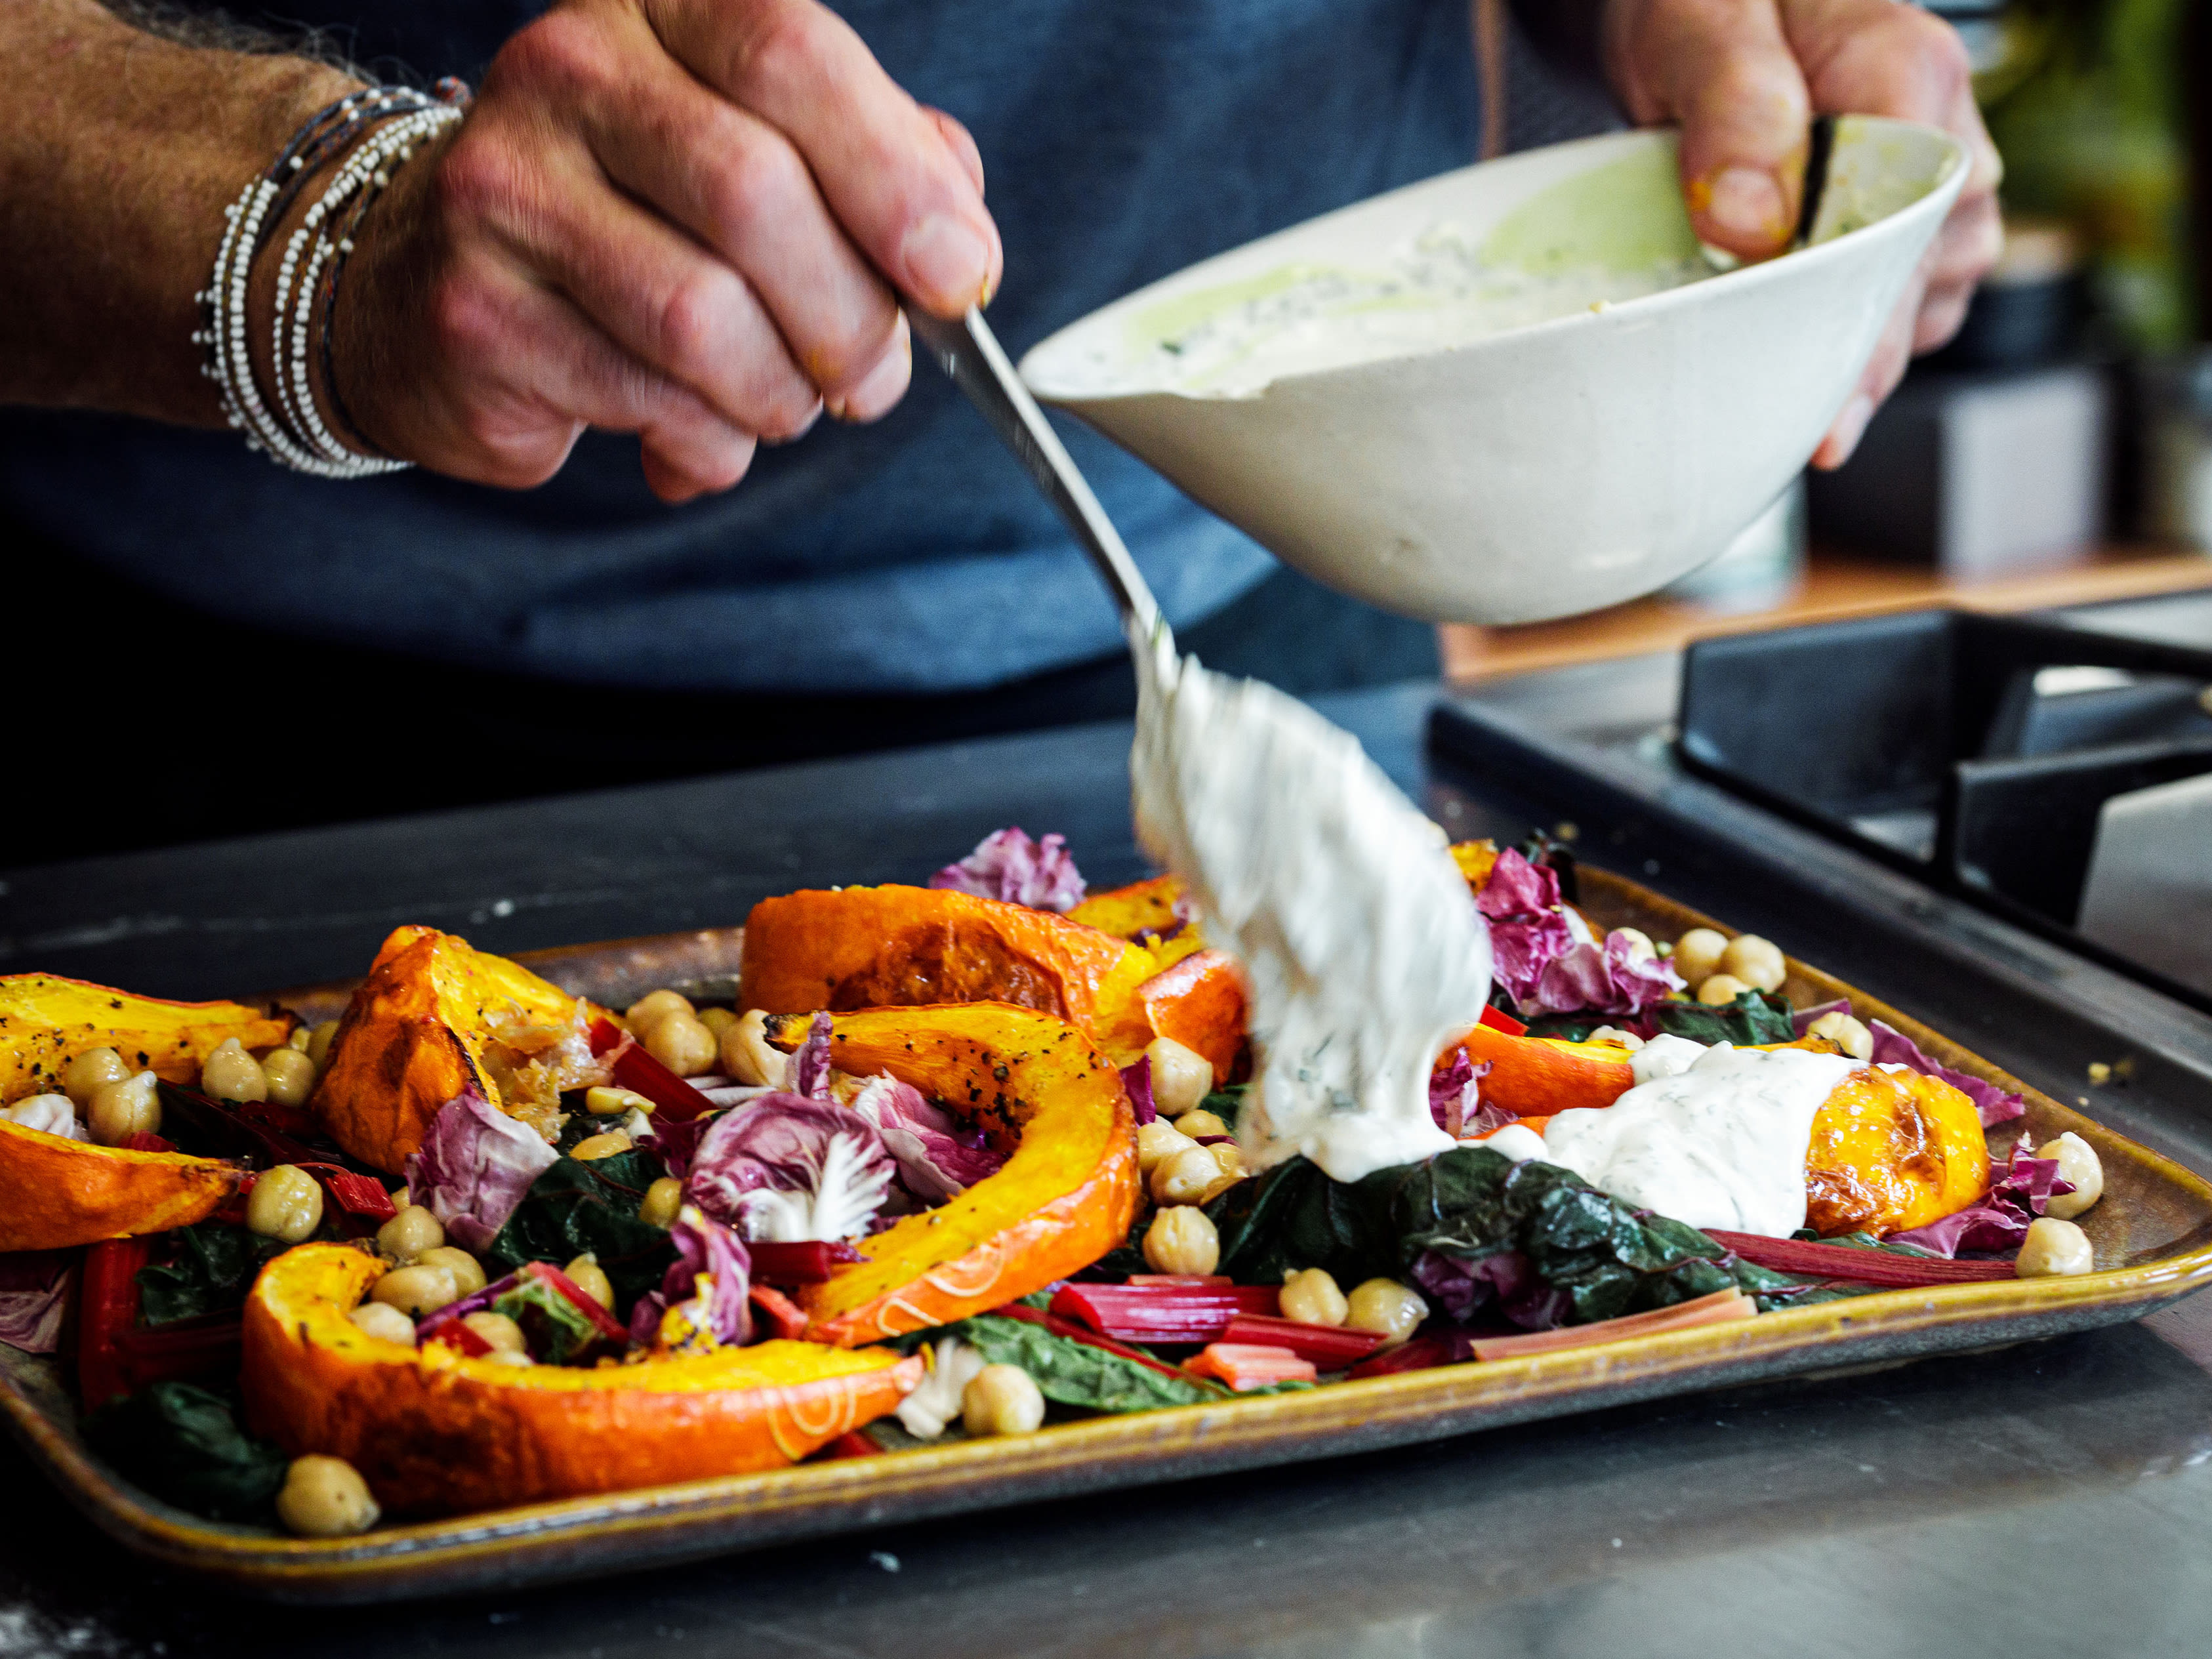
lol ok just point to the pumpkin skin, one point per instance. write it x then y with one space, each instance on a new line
435 1432
1892 1151
55 1192
876 947
416 1035
1535 1077
1066 1196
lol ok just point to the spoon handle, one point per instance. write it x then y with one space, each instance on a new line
967 350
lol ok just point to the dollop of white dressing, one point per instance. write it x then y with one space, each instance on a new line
1720 1145
1665 1055
1361 948
1517 1140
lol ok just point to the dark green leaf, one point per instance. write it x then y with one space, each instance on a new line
1224 1104
1073 1373
1296 1216
1572 1028
554 1326
1755 1017
573 1207
210 1272
182 1442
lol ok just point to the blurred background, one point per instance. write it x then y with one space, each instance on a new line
2059 451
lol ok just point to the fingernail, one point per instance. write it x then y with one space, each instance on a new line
1745 204
886 382
947 261
1851 426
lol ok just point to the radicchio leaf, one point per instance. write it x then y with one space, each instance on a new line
788 1169
1137 1083
809 1063
703 1245
1462 1288
1893 1047
1609 978
1455 1092
1527 931
1516 888
2023 1189
936 1157
676 1139
474 1167
1009 865
33 1296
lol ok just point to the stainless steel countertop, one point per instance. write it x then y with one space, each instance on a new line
2043 1498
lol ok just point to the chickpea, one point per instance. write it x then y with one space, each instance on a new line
1182 1077
1182 1240
717 1020
320 1041
500 1333
1640 947
1721 989
51 1113
1698 954
231 1073
325 1497
385 1322
1756 962
587 1276
1311 1298
2078 1163
592 1147
662 1200
683 1044
89 1072
410 1233
1187 1177
399 1196
290 1076
1230 1162
613 1102
1848 1034
468 1273
286 1203
1157 1142
1618 1038
1002 1400
2053 1248
121 1110
747 1054
1392 1311
416 1291
503 1358
649 1010
1196 1124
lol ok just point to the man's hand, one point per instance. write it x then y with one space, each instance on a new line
1745 77
683 218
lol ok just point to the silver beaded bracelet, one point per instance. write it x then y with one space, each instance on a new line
293 434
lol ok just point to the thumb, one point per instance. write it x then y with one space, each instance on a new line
1726 74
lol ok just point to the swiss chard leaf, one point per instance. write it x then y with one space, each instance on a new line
556 1329
1574 1028
1073 1373
210 1272
182 1442
1754 1016
573 1207
1226 1102
1296 1216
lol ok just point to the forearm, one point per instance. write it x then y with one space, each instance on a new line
118 152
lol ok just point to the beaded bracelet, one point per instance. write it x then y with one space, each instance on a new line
294 435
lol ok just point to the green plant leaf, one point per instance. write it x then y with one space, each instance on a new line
212 1268
182 1442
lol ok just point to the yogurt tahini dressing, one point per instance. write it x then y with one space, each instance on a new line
1362 950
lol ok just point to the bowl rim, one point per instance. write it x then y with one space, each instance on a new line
1936 200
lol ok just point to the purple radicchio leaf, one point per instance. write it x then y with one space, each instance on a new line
1607 978
1516 889
786 1169
1455 1092
1137 1082
1893 1047
810 1062
937 1158
33 1296
1463 1289
1009 865
675 1140
474 1167
1485 1119
1527 931
703 1245
1803 1020
2024 1188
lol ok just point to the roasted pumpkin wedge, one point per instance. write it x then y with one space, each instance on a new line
434 1432
874 947
56 1191
1892 1151
1534 1077
434 1016
1067 1193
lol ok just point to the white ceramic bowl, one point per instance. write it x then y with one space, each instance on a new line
1558 466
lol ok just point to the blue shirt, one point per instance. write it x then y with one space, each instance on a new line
1122 139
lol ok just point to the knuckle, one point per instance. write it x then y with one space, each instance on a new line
477 178
693 318
760 179
785 44
560 53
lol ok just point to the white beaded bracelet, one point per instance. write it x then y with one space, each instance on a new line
294 434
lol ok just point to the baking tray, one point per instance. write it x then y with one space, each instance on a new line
2153 1235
